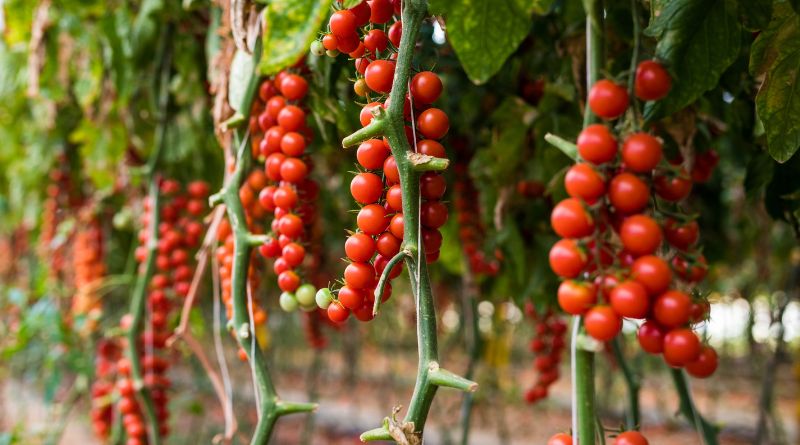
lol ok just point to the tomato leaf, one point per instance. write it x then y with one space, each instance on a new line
755 14
484 34
776 52
291 26
698 41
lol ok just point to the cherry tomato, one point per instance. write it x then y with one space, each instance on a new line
560 439
351 298
382 11
343 23
583 181
640 235
288 281
433 123
431 148
673 187
293 254
397 226
602 323
652 81
359 247
366 115
291 225
376 40
395 33
431 240
359 275
567 260
292 118
266 90
388 245
294 87
379 76
390 171
372 219
681 346
570 219
641 152
394 197
337 313
433 214
628 194
366 188
691 270
672 309
576 297
274 107
681 236
705 364
596 144
371 154
432 185
330 42
630 438
651 337
362 12
653 273
293 170
607 99
293 144
629 299
426 87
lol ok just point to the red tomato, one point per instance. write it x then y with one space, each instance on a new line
359 275
366 188
359 247
293 144
379 76
433 214
290 225
607 99
376 40
576 297
651 337
681 347
596 144
337 313
366 115
288 281
388 245
390 171
394 197
653 273
431 148
293 254
583 181
395 33
630 299
426 87
431 241
397 226
570 219
673 187
560 439
371 154
628 194
293 170
362 11
292 118
566 259
351 298
372 219
602 323
705 364
640 235
294 87
433 123
343 23
641 152
330 42
630 438
681 236
672 309
691 270
652 81
381 11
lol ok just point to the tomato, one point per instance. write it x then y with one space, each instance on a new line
364 313
293 144
432 185
433 214
602 323
294 87
390 171
394 197
395 33
651 337
596 144
380 264
652 273
681 236
351 298
359 247
292 118
376 40
288 281
382 11
673 187
343 23
266 198
570 219
366 188
630 438
372 219
293 254
397 226
566 259
433 123
652 81
560 439
630 299
705 364
337 313
285 197
681 346
583 181
431 148
330 42
358 52
576 297
672 308
293 170
270 249
388 245
691 270
379 76
359 275
628 194
290 225
371 154
366 114
641 152
274 107
426 87
640 235
607 99
266 90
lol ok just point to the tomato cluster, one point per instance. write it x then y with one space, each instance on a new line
362 32
60 197
547 347
613 257
89 268
102 411
471 231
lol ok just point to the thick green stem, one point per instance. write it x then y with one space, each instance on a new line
469 303
689 411
584 389
631 382
594 50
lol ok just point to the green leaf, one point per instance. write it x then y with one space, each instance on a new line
241 70
755 14
566 147
795 5
483 33
291 27
776 51
698 41
541 7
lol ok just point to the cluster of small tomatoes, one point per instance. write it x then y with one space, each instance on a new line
102 411
547 347
361 32
622 438
60 196
88 266
179 234
290 195
471 231
612 257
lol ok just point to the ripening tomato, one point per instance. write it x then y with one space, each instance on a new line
366 114
576 297
379 76
583 181
343 23
602 323
681 346
652 81
630 438
689 269
330 42
293 144
390 171
293 170
426 87
433 123
371 154
607 99
651 337
395 33
381 11
628 194
640 235
596 144
294 87
653 273
359 247
570 219
673 187
630 299
431 148
288 281
351 298
432 185
560 439
366 188
337 313
394 197
672 309
372 219
641 152
388 245
433 214
705 364
292 118
359 275
567 260
681 236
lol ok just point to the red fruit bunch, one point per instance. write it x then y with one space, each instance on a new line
547 347
61 196
471 231
102 392
614 254
89 268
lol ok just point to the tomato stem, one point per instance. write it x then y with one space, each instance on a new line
632 383
385 278
689 410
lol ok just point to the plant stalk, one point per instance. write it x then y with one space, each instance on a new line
631 382
689 411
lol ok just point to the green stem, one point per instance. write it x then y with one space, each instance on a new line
385 279
634 62
584 387
469 304
594 50
689 411
632 383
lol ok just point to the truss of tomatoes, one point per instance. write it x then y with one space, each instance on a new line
621 256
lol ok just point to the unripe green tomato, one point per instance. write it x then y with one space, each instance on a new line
332 53
316 48
324 298
313 307
288 302
305 295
